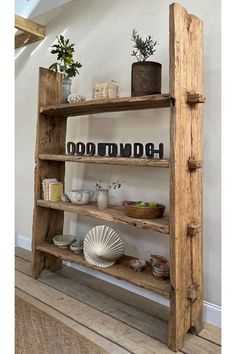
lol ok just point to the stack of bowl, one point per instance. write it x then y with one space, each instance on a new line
160 267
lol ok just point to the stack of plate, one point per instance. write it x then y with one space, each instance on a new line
161 271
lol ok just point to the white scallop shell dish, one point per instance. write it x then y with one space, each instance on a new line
102 246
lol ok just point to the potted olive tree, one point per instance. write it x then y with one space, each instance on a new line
65 64
146 75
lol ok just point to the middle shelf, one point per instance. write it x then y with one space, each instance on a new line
114 213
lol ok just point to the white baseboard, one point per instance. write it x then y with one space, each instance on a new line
23 242
211 312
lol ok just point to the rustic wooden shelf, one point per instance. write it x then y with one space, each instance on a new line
184 224
107 105
107 160
121 270
115 214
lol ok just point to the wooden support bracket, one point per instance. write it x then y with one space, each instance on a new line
193 165
194 98
192 292
193 229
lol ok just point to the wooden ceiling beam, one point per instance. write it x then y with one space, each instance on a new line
32 31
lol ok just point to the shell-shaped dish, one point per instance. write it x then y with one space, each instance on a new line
102 246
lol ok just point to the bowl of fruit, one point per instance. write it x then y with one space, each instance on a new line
144 210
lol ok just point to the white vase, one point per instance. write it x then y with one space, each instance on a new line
103 199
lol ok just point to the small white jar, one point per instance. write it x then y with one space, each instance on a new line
103 199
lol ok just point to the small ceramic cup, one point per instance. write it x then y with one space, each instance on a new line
137 264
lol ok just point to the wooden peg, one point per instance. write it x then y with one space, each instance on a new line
194 164
193 229
194 98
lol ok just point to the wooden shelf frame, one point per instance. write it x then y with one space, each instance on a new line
32 31
185 170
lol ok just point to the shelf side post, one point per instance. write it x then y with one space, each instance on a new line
185 185
50 139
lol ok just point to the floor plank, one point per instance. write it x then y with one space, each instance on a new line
87 290
110 328
211 333
130 315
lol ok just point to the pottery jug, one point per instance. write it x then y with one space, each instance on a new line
103 199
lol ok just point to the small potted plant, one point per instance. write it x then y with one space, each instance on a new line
146 75
65 64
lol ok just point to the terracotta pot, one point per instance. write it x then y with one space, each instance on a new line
145 78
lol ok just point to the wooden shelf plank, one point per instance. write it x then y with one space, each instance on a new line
107 105
120 270
142 162
115 214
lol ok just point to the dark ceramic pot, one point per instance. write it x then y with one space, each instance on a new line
145 78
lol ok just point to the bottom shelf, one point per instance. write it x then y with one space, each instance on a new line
120 270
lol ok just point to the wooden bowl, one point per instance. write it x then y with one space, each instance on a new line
143 212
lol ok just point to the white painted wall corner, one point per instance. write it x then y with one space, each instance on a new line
211 312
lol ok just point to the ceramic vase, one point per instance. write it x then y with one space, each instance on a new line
103 199
66 89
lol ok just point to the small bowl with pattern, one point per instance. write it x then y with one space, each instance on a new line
156 259
77 246
161 271
137 264
63 241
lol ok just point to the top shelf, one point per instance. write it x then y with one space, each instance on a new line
107 105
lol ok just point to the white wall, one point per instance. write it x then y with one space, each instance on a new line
101 30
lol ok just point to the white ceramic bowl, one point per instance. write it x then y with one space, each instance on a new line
80 196
77 246
137 264
63 241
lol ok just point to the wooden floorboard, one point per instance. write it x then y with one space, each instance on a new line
105 315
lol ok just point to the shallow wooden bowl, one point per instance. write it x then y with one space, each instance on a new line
143 212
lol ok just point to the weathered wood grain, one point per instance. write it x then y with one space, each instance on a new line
26 25
108 160
76 288
147 306
185 187
211 333
106 105
120 270
116 331
25 38
134 317
115 214
50 138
